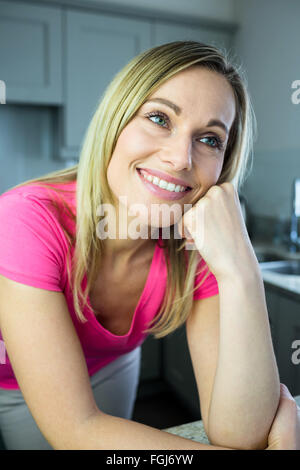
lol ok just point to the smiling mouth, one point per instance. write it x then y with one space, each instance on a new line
163 184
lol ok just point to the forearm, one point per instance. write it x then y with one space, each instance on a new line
106 432
246 387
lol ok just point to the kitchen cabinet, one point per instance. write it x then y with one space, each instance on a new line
284 315
151 359
178 370
59 55
30 53
167 32
96 47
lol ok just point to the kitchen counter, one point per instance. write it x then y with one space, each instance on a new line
287 284
195 430
261 246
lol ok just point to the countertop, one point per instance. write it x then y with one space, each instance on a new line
289 284
195 430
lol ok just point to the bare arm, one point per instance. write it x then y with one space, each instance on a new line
50 367
246 386
243 384
109 432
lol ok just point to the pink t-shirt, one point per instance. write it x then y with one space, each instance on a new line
33 251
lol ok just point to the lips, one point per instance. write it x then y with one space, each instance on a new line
160 192
166 177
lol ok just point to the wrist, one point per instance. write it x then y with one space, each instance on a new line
246 272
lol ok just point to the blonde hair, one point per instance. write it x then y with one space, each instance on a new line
126 93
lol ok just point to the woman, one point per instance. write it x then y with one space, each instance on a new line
173 134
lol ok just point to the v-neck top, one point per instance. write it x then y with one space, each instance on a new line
33 250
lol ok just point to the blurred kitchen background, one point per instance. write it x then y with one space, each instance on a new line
56 59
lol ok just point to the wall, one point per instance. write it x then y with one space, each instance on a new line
210 10
268 44
26 143
27 132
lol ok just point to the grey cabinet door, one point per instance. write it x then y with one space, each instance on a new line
167 32
288 324
151 359
97 46
178 369
30 53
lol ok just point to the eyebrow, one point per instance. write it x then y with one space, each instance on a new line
178 110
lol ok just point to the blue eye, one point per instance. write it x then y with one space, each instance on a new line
160 118
217 140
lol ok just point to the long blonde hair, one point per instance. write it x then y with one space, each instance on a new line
126 93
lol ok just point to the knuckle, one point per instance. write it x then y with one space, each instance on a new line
291 403
294 405
215 191
229 187
202 204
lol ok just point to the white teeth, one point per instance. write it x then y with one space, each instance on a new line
171 187
163 184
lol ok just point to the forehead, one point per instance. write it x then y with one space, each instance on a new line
198 89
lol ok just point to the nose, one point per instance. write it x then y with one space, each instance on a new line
178 153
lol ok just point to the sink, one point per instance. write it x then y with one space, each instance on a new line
290 267
263 257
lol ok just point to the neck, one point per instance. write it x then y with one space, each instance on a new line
127 238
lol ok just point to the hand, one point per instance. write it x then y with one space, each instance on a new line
285 430
216 226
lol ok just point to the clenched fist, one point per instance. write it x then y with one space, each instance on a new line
216 226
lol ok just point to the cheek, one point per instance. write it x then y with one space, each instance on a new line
218 170
210 170
133 143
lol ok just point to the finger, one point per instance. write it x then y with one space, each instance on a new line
285 391
183 230
187 234
188 224
286 394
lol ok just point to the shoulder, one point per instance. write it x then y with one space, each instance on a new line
32 239
41 199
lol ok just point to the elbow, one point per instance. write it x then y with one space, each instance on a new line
251 441
249 437
248 431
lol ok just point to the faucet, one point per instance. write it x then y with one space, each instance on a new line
294 239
